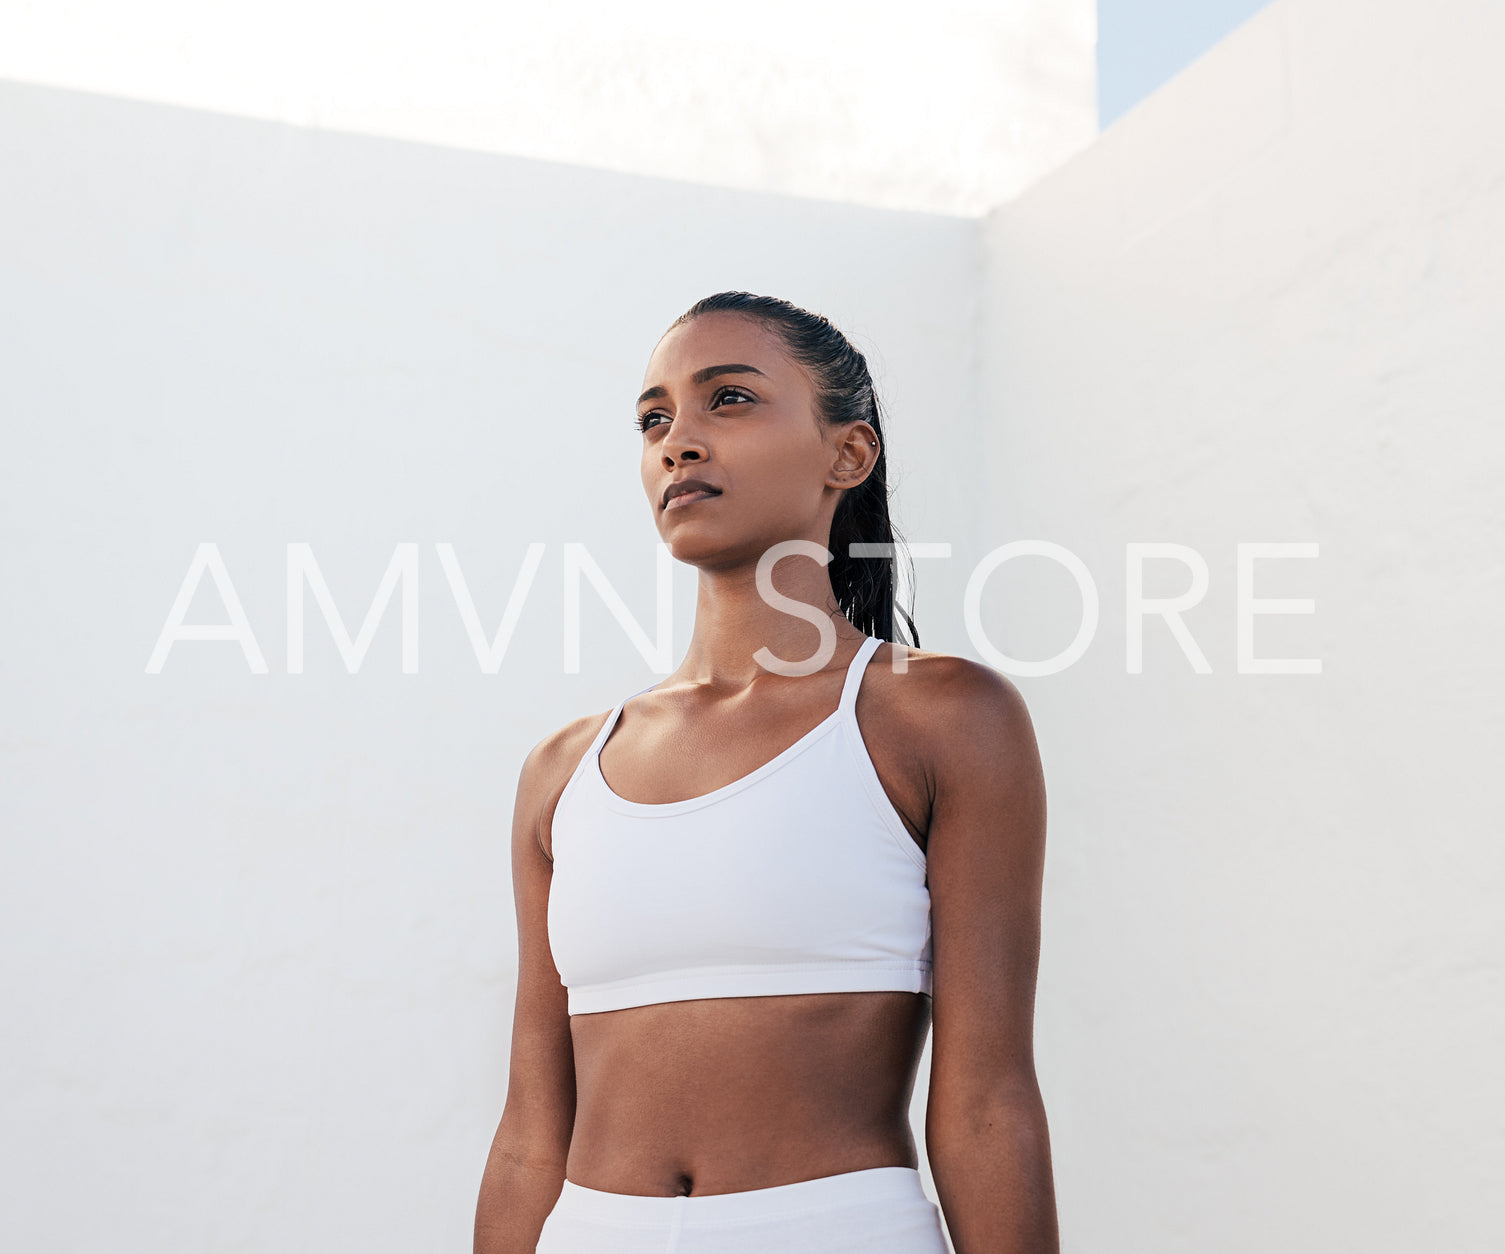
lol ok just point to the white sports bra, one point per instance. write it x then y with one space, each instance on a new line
797 878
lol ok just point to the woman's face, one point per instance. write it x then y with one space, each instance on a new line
724 403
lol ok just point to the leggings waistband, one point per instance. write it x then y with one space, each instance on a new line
849 1188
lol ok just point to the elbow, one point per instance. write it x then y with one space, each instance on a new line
1006 1109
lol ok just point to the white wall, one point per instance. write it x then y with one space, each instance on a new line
259 944
949 111
1266 306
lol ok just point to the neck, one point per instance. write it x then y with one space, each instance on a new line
802 628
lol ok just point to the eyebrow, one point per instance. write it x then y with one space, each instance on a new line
703 376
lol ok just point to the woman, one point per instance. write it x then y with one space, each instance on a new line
746 894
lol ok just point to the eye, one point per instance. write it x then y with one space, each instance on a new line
720 392
645 422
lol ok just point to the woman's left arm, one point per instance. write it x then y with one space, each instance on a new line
986 1135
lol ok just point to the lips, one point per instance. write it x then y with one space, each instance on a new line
683 500
687 491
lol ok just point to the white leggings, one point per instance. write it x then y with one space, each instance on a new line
882 1210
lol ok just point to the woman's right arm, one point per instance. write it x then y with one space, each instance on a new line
525 1168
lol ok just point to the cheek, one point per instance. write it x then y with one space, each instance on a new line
785 486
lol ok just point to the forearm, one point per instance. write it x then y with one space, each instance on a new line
516 1197
990 1160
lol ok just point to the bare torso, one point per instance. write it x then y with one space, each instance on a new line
719 1095
724 1094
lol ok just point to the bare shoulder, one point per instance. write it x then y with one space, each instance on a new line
946 735
547 769
953 706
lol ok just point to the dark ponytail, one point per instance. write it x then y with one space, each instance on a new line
865 587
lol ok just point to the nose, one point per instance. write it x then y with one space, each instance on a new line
681 443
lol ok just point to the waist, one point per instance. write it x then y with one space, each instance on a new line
864 1187
733 1092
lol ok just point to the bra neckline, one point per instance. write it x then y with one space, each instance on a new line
618 802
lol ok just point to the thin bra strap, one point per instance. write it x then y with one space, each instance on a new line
611 719
855 672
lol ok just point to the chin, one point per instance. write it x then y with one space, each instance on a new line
697 550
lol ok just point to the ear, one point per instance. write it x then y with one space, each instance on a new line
857 452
